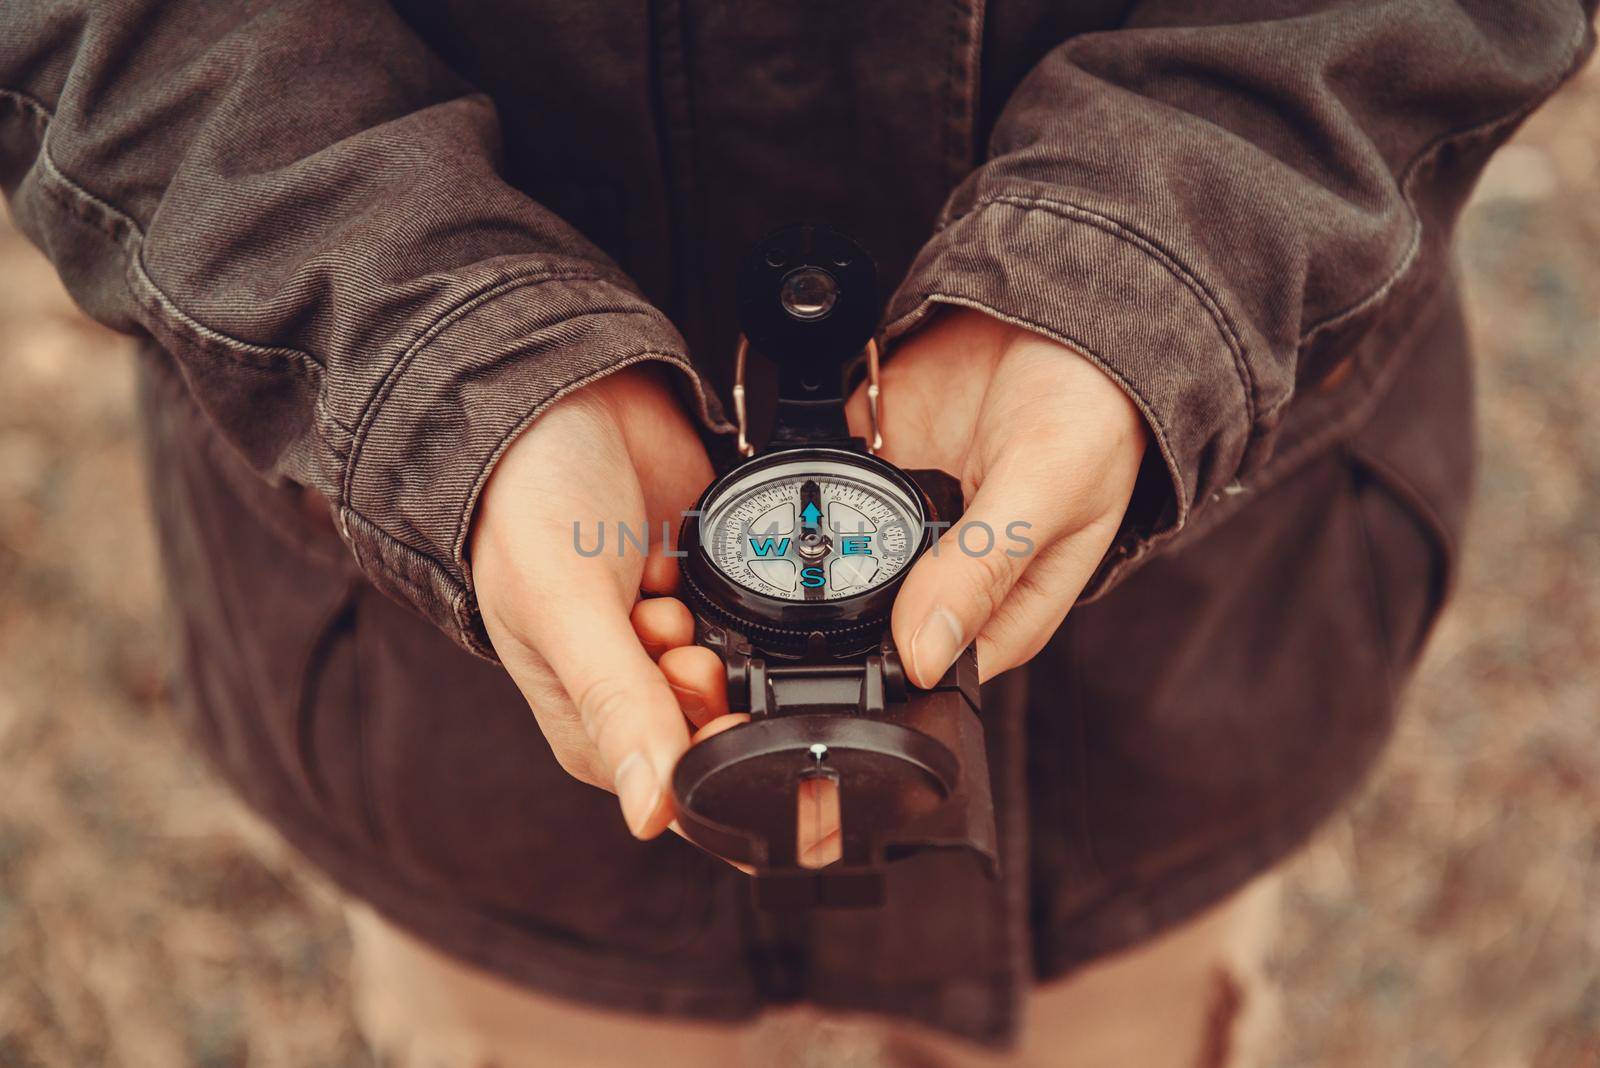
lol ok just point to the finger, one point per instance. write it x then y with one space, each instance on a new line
953 590
627 710
554 712
1038 603
662 623
660 574
700 681
819 838
720 724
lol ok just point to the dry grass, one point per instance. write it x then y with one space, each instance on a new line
1452 918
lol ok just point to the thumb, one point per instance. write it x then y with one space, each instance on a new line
628 711
954 589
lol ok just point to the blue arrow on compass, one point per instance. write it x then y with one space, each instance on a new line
811 514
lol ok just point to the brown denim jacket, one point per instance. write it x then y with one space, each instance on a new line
376 239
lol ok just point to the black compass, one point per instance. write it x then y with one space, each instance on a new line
792 562
806 541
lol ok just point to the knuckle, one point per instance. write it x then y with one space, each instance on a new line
578 763
987 581
979 603
568 741
603 707
998 569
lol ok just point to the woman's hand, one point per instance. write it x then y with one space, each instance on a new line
570 628
619 451
1037 435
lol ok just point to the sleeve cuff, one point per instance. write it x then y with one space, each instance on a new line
1128 306
445 414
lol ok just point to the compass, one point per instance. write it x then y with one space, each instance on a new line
791 563
817 528
806 546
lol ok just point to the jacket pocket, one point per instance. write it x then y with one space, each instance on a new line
1408 565
1229 695
472 806
372 741
1412 470
261 589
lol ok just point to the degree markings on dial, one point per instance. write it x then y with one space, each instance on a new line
885 527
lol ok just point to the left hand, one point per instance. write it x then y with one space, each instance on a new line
1037 435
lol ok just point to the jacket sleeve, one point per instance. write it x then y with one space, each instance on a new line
1216 201
304 207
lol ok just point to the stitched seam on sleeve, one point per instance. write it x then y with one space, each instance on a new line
371 409
125 232
31 104
122 229
1158 429
463 606
398 578
463 521
1424 157
1162 255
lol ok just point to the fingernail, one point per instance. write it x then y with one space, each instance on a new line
935 645
638 790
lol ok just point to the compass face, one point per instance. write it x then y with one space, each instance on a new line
812 529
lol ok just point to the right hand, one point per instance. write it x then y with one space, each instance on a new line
566 626
615 682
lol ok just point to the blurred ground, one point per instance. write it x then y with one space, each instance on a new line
1452 918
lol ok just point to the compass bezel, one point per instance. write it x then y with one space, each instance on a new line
778 624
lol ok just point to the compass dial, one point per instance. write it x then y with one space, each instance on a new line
812 530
